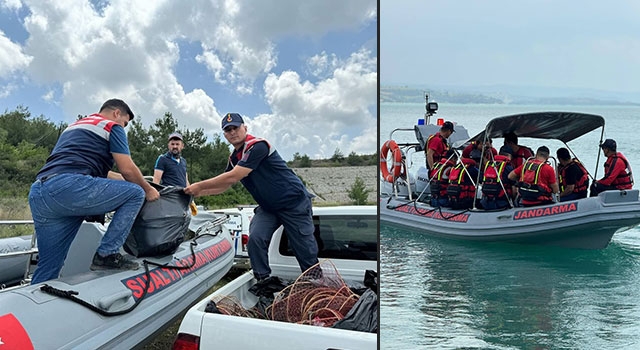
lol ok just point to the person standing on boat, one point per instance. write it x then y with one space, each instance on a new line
437 145
77 182
520 153
617 170
282 197
171 168
574 179
537 179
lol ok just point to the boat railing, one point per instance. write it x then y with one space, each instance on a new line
401 129
33 249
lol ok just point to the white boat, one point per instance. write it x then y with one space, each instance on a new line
587 223
121 310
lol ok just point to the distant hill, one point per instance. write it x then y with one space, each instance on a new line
506 95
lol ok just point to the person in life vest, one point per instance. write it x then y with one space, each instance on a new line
574 179
537 180
437 145
617 171
462 189
282 198
439 179
475 148
520 153
497 189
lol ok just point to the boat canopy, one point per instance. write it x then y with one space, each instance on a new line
563 126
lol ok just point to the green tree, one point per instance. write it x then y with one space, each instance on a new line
358 192
354 160
337 156
305 161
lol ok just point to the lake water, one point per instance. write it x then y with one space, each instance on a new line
445 294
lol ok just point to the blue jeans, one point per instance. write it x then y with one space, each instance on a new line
298 225
60 204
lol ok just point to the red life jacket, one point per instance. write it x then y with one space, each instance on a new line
530 188
249 141
583 182
624 181
460 183
440 178
492 180
438 157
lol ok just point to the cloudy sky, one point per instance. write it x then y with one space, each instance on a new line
303 73
575 44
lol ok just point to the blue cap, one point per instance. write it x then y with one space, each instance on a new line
233 119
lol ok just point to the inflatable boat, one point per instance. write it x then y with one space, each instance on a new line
109 309
587 223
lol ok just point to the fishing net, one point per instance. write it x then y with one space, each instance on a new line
319 297
229 305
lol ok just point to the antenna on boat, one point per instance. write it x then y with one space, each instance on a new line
431 108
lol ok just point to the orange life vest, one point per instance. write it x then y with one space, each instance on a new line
530 188
583 182
460 183
440 178
492 184
437 157
624 180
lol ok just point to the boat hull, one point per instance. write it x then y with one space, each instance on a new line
588 223
53 322
13 266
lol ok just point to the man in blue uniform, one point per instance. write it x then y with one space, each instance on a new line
281 195
77 182
171 167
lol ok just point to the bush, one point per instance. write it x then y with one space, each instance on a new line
358 192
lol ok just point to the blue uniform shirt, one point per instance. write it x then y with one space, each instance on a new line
174 173
85 147
271 183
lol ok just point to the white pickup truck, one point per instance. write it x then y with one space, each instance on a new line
347 236
238 224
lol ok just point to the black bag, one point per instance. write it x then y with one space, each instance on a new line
363 316
161 225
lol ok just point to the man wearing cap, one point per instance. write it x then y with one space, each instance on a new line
437 144
617 171
282 197
77 181
171 168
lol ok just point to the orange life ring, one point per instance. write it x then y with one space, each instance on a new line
396 168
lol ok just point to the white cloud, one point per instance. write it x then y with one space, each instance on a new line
12 58
130 50
11 4
315 119
49 96
6 90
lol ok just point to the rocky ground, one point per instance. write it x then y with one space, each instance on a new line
332 185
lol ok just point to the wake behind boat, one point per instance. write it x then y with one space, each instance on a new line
122 308
587 223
